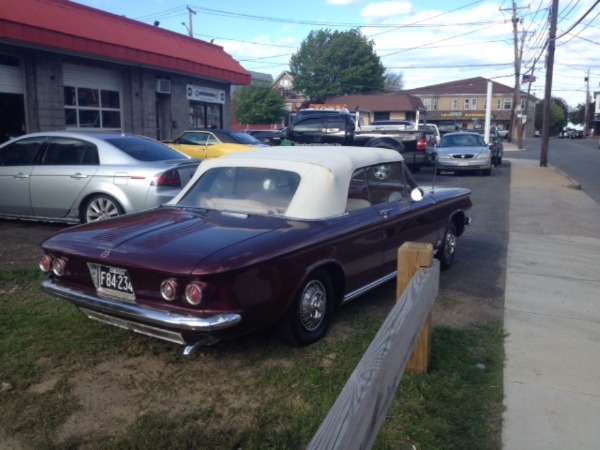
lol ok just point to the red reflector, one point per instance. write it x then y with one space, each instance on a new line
58 267
170 178
422 144
168 289
193 293
46 263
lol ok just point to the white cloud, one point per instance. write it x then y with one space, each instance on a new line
375 12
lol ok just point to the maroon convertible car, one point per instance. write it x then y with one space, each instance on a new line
274 236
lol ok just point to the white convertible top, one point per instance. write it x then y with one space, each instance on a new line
325 173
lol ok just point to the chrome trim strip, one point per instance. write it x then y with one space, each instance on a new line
360 291
142 313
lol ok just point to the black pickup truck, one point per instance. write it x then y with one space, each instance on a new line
336 127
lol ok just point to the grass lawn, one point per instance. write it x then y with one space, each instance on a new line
69 383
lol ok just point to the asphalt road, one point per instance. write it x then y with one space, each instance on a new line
479 266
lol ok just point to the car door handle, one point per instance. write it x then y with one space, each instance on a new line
21 175
385 213
78 175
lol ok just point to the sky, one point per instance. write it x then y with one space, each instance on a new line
427 41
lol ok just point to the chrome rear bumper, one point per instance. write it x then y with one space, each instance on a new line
141 319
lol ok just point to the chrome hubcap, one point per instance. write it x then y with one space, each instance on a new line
101 208
450 244
312 305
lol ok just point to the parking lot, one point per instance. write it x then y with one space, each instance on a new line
475 283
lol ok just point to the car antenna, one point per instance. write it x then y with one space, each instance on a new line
435 171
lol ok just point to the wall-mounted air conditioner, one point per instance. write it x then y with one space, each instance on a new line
163 86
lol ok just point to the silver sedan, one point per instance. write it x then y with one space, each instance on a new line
463 151
85 176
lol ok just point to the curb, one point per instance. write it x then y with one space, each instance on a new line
573 184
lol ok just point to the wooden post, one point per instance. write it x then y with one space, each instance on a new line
411 257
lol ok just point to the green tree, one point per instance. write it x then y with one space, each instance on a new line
558 115
336 63
258 104
393 81
576 114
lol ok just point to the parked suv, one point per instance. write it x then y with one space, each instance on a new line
324 127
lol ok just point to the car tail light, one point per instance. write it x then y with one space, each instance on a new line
194 293
46 263
168 178
168 289
58 267
422 145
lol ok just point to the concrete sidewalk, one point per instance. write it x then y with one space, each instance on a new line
552 313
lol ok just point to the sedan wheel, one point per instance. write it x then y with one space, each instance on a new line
446 252
100 207
308 319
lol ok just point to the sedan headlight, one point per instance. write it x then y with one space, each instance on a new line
484 155
443 156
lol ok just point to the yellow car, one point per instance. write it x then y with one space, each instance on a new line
204 144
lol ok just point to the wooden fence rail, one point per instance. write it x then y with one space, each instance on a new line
359 411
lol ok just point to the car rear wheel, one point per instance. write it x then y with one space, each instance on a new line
308 318
100 207
446 251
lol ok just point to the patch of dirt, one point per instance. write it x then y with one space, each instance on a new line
20 242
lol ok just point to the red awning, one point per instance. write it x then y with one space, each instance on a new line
74 28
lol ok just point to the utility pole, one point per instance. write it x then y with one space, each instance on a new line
191 25
586 110
517 92
548 87
523 113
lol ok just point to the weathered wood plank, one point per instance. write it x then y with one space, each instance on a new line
358 413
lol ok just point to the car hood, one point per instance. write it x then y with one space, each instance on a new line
164 239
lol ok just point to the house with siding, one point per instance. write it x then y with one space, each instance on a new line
464 102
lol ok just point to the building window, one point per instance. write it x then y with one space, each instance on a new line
454 104
435 104
427 103
473 103
508 103
206 115
485 103
499 104
92 108
467 104
381 115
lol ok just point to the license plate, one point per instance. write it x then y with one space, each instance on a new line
113 282
463 163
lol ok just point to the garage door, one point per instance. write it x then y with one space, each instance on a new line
92 97
11 79
91 77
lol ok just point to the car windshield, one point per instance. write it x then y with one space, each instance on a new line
249 190
145 149
462 140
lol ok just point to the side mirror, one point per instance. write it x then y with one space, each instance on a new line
417 194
